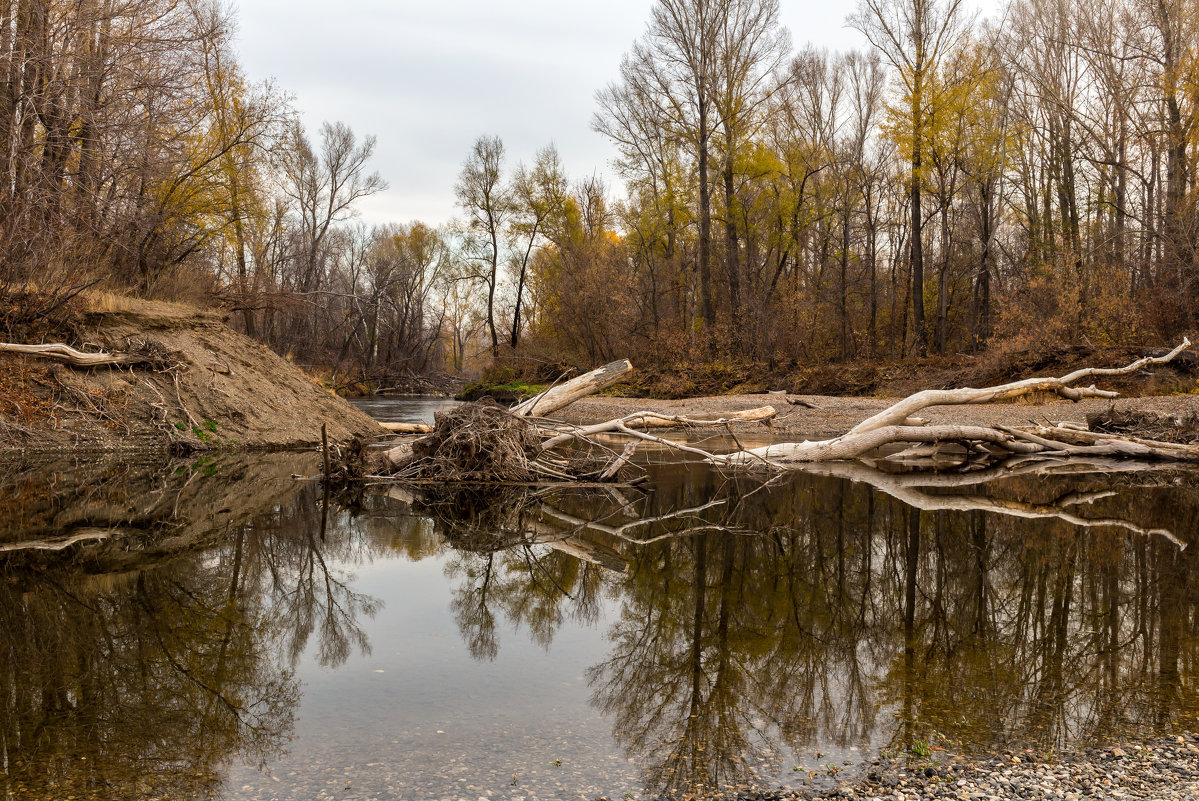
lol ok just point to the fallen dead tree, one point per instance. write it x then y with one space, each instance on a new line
523 445
483 442
897 426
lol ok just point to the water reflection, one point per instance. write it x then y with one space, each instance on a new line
134 671
748 628
816 614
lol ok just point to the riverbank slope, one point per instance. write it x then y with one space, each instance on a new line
208 388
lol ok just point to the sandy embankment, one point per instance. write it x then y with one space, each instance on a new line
210 389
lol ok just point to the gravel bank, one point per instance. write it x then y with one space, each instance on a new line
834 415
1165 769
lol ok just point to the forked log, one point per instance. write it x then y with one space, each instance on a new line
888 426
896 414
76 358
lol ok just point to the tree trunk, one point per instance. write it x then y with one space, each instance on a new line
705 221
557 397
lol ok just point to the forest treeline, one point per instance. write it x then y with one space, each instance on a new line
957 182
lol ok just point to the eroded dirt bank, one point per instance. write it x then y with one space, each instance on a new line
207 389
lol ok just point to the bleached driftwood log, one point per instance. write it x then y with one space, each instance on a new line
889 427
76 358
565 394
906 408
407 428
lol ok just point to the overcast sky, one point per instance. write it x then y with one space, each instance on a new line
428 77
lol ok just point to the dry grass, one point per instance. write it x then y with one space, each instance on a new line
20 403
104 301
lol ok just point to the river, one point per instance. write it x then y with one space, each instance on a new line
243 642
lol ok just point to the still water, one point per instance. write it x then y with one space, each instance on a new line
231 639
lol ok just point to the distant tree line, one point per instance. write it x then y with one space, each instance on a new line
954 183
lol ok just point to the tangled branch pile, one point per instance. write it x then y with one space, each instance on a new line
475 442
1183 428
485 443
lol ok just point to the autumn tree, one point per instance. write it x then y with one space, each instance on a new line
915 36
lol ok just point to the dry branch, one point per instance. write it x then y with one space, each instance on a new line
888 426
76 358
656 420
896 414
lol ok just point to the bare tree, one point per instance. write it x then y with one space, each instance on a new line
488 205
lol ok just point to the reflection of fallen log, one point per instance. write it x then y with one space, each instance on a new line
584 546
114 515
58 543
621 532
910 489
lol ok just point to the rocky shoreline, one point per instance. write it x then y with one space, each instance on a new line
1165 769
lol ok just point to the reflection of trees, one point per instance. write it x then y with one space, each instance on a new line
512 558
305 592
811 611
149 681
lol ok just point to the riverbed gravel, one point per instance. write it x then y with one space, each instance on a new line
830 416
1166 769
